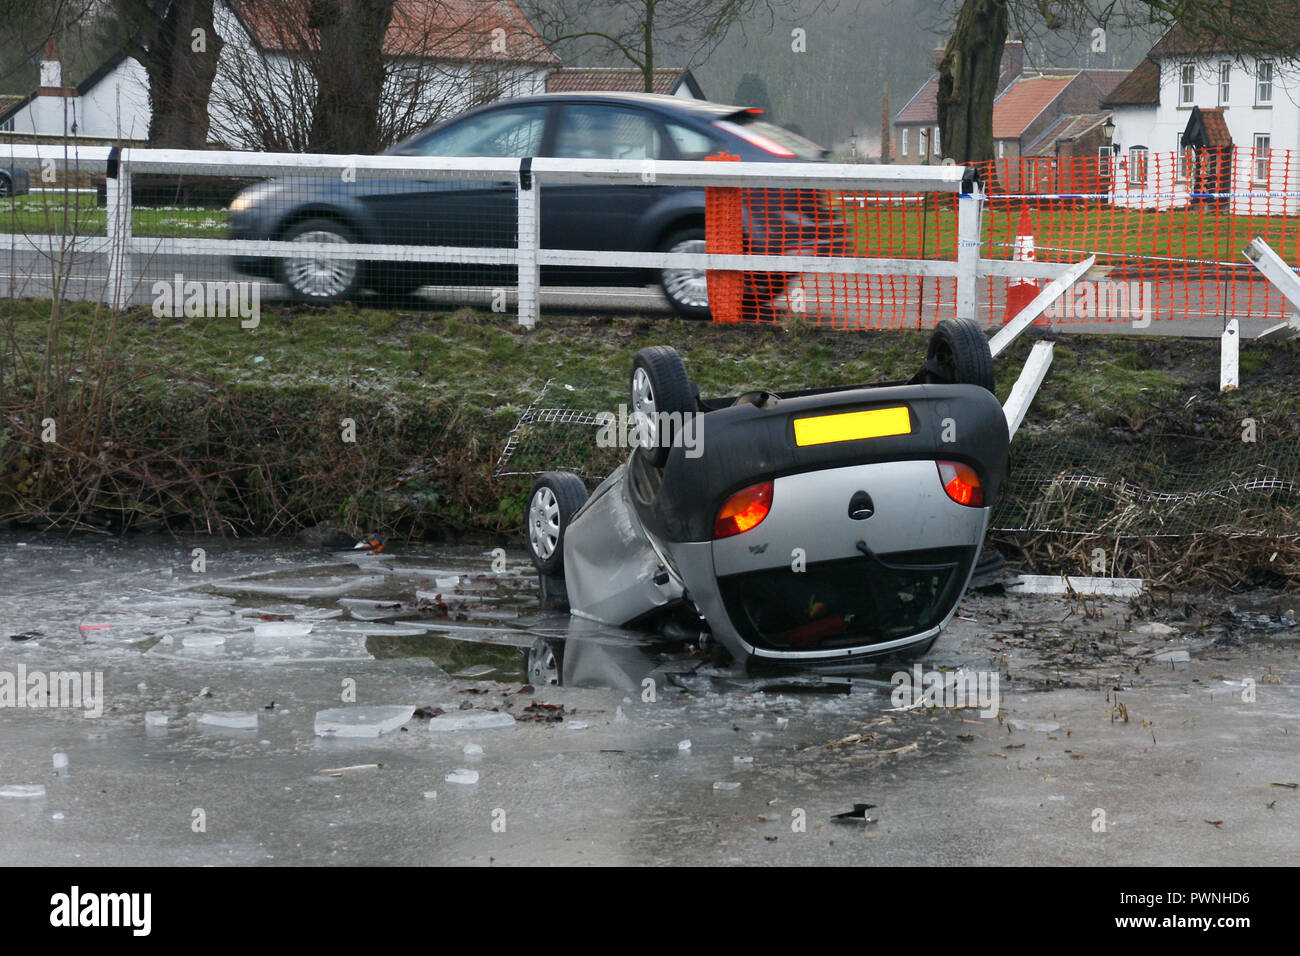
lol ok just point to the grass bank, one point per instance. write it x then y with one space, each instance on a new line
199 423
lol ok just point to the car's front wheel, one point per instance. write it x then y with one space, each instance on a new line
556 495
320 279
6 186
661 397
959 354
687 290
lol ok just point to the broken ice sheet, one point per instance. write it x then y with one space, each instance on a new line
229 720
469 720
282 629
362 721
22 791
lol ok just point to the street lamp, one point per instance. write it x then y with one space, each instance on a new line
1108 131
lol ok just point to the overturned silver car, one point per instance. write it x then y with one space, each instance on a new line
824 526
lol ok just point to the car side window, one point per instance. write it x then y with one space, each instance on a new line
513 132
690 143
595 131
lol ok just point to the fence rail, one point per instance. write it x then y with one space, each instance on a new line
921 241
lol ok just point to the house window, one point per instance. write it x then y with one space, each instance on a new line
1263 151
1103 161
1186 164
1264 82
1187 85
936 141
1137 166
1225 77
1002 149
922 141
904 143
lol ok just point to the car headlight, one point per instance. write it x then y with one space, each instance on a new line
251 196
243 201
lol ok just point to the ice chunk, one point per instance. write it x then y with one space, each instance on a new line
281 629
738 761
156 718
448 582
1174 657
473 750
577 725
469 720
195 641
683 745
462 775
619 716
1155 629
478 670
1042 727
22 791
362 721
431 794
726 785
782 723
229 720
60 761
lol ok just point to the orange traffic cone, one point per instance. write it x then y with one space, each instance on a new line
1022 291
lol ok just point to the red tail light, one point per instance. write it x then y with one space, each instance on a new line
961 483
743 510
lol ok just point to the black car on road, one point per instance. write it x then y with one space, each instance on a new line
465 212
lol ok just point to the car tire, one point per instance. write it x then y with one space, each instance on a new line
661 396
6 186
555 497
959 354
545 663
687 290
319 280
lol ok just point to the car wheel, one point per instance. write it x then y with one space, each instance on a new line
320 280
661 398
556 495
6 186
545 665
687 290
959 354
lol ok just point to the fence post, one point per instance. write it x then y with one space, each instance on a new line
530 239
117 207
970 207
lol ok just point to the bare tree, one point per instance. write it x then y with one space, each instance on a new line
176 43
968 72
634 30
436 58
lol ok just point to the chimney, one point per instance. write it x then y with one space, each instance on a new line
52 73
1013 62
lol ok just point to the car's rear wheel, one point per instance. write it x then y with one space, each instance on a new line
6 186
320 279
959 354
556 495
687 290
661 398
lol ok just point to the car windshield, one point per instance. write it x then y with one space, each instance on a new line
849 602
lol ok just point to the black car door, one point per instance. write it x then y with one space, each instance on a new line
459 211
596 216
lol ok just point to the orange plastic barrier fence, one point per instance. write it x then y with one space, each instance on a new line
1167 228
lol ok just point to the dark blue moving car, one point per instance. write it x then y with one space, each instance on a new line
594 217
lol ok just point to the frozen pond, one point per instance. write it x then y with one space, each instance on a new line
285 705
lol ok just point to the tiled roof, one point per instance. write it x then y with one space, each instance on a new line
1140 88
1066 128
1024 101
614 79
434 29
924 106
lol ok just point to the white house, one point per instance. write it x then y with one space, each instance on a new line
1202 123
486 49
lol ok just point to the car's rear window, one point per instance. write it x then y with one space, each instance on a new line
851 602
801 147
